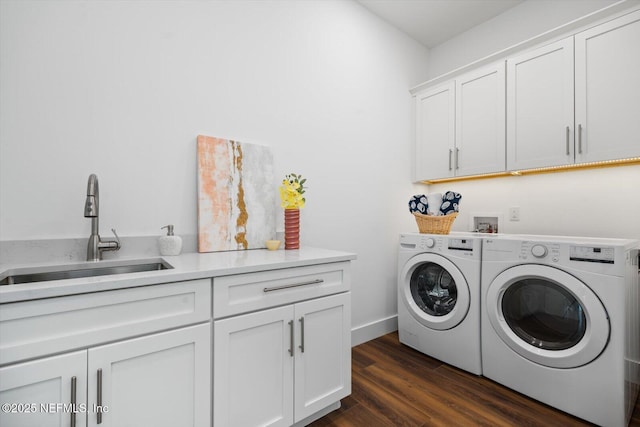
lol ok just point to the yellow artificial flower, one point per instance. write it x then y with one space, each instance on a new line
291 192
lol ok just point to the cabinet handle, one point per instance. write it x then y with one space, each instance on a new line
74 385
99 398
450 154
293 285
580 139
291 338
568 131
302 334
457 158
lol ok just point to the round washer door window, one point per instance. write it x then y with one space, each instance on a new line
544 314
434 291
547 316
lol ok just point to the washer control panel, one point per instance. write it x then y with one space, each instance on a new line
428 242
461 244
600 254
539 251
457 245
421 242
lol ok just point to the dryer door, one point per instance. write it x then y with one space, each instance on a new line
547 316
434 291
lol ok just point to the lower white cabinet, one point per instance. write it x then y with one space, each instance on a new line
158 380
142 356
278 366
32 393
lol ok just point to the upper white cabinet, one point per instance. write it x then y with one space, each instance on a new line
540 107
575 100
460 126
543 126
435 132
480 104
607 68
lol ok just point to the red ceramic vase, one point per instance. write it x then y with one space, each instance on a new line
292 228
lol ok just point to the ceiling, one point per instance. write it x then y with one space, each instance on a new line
432 22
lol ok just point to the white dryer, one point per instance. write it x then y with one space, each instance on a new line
439 297
560 322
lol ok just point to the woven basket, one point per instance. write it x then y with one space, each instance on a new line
431 224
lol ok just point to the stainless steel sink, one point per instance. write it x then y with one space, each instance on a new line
89 269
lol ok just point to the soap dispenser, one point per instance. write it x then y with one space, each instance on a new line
170 244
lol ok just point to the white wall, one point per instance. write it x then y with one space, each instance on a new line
597 202
522 22
121 89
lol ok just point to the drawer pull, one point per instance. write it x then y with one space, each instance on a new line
291 338
301 334
579 139
74 382
293 285
99 398
568 134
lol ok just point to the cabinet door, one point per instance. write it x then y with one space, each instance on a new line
435 132
253 369
608 90
323 353
480 121
540 107
161 380
40 393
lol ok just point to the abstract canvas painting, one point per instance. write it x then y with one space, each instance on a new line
236 195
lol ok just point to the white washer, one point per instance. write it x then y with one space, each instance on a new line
439 297
560 322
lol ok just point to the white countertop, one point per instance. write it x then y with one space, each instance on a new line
188 266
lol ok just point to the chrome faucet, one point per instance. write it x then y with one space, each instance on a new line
91 210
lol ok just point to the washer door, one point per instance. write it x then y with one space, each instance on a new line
434 291
547 316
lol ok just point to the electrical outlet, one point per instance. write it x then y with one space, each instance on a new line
514 214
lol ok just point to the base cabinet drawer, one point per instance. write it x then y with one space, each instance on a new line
160 380
32 329
243 293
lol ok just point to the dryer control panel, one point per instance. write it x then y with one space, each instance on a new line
540 250
601 254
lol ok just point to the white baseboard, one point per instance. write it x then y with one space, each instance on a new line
364 333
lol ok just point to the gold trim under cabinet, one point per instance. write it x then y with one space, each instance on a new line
550 169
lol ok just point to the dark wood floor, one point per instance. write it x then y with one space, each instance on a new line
394 385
